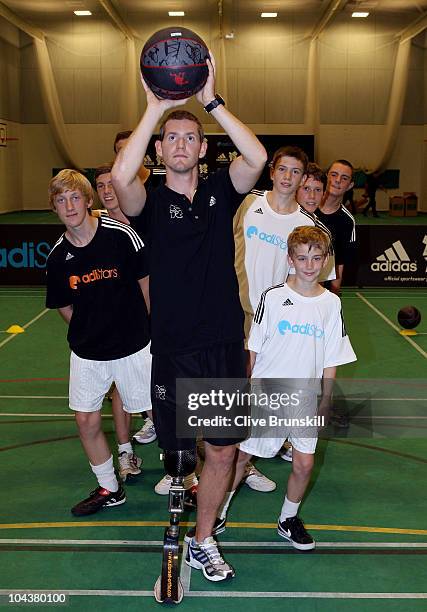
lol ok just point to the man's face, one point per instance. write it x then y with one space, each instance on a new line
308 262
71 207
339 179
181 148
287 175
310 194
105 190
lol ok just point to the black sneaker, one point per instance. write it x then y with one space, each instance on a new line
293 530
100 498
339 419
219 527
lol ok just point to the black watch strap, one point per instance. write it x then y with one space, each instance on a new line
216 102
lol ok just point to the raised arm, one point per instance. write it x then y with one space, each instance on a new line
245 169
127 183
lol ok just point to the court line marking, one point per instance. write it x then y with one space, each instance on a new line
110 416
392 325
184 566
33 396
73 524
26 326
225 594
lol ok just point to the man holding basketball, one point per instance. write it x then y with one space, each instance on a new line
197 320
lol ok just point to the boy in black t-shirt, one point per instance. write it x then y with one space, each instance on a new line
94 279
338 219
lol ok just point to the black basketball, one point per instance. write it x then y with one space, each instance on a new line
409 317
173 63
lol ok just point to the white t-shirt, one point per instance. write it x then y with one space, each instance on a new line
260 236
297 336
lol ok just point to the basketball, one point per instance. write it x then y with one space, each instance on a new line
409 317
173 63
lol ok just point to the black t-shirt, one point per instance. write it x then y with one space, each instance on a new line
100 281
342 226
194 293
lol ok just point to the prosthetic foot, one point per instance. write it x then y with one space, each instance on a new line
168 588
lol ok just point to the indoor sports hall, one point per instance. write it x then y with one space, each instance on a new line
312 74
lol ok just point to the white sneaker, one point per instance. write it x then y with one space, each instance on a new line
287 454
146 434
206 557
257 481
129 465
163 486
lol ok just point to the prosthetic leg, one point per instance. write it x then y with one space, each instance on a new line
168 588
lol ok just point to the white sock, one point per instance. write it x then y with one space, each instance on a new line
125 447
289 509
223 509
105 475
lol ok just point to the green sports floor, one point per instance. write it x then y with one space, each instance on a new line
366 505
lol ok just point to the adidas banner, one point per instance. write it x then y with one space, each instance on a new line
23 252
391 256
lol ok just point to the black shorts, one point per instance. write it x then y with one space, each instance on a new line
218 361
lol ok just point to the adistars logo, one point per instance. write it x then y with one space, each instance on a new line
160 392
306 329
273 239
212 201
394 259
96 275
287 303
175 212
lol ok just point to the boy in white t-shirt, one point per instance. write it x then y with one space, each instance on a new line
298 332
262 225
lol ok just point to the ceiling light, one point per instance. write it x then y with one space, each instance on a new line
176 14
268 14
359 14
82 13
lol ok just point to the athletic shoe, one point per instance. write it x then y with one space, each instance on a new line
206 556
339 419
257 481
293 530
163 486
219 527
129 465
146 434
100 498
287 454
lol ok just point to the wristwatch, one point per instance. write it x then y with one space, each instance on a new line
216 102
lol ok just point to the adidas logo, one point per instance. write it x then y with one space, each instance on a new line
287 303
394 259
259 211
212 201
69 256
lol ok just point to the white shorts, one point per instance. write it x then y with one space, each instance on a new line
90 381
269 447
